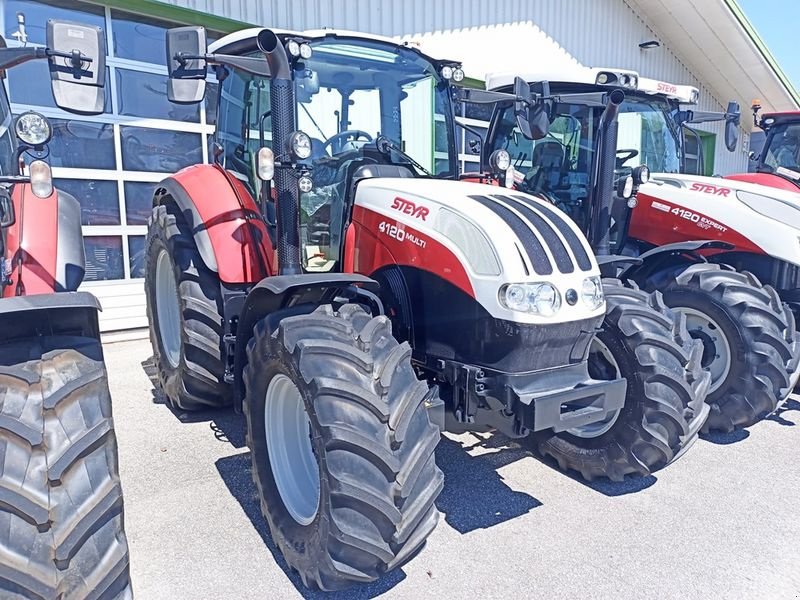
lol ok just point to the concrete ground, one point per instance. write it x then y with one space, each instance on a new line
720 523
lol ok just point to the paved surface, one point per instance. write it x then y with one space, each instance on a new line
720 523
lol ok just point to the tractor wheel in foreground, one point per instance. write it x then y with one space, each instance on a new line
61 522
643 341
184 308
744 333
341 444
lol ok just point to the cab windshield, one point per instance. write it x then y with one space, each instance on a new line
783 147
648 131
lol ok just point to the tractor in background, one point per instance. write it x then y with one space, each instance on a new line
328 276
61 513
696 239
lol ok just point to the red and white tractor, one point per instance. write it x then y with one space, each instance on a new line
61 515
352 298
717 249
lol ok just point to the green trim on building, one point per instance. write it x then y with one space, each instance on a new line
170 12
737 12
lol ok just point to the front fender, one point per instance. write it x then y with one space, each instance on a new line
225 221
67 313
665 259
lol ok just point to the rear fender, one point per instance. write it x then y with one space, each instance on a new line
288 295
226 223
69 313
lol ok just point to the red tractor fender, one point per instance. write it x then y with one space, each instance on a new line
225 221
45 245
767 179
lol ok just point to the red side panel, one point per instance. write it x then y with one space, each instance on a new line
658 222
240 239
33 239
380 241
766 179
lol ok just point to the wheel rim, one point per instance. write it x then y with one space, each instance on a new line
291 455
602 358
716 348
168 310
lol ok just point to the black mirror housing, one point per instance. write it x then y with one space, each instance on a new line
77 60
187 76
532 118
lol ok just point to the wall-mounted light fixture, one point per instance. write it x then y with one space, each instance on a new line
649 44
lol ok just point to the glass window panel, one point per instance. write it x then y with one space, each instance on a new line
142 94
139 38
159 150
99 199
103 258
82 144
212 99
136 252
29 83
138 201
37 12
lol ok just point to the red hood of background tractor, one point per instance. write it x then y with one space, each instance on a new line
767 179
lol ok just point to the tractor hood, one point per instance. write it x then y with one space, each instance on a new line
755 218
480 238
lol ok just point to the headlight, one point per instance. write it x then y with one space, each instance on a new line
641 174
33 129
500 161
305 51
266 164
305 184
536 298
41 179
625 187
447 72
458 75
300 145
592 292
293 48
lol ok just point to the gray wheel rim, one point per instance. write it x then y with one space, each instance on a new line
291 454
168 310
598 428
715 345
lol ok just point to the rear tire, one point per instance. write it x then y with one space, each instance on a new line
61 514
185 315
373 476
664 409
728 309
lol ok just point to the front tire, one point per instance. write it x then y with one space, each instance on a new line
61 515
664 409
347 478
746 341
184 308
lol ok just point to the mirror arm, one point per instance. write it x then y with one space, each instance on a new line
11 57
707 117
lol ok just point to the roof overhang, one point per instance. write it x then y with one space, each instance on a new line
717 42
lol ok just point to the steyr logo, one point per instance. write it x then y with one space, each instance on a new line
666 88
407 207
710 189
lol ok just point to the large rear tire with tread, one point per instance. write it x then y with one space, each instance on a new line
643 341
734 315
185 315
61 515
373 463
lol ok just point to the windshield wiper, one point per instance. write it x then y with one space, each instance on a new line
385 147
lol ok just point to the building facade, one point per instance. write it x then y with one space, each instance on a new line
113 161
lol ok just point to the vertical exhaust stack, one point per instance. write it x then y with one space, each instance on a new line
603 166
283 122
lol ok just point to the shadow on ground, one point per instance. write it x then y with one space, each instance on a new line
790 406
225 423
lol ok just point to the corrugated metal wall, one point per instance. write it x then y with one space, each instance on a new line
593 32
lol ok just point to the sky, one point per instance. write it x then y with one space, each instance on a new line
778 24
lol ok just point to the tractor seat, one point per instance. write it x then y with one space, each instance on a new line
548 160
376 170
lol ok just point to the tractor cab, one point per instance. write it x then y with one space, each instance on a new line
780 156
364 107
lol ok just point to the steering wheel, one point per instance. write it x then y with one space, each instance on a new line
337 141
627 154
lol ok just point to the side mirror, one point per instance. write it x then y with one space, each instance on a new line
732 117
77 59
532 119
186 64
752 156
475 146
7 216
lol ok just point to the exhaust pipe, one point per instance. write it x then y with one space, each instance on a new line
287 205
603 164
